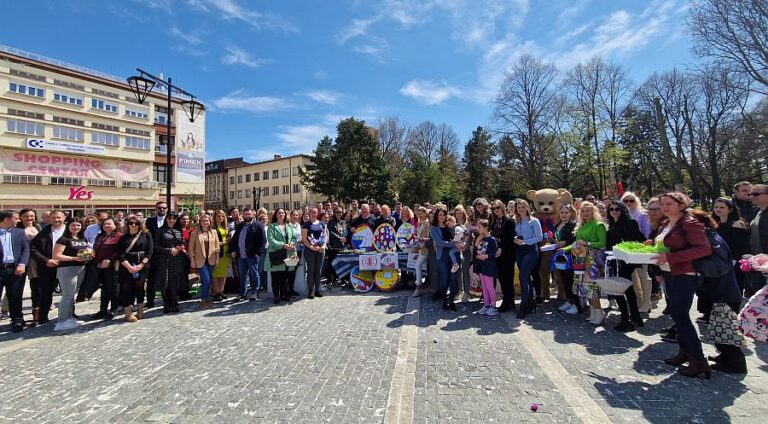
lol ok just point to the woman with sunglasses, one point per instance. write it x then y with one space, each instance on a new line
134 251
641 280
503 230
171 257
105 249
623 228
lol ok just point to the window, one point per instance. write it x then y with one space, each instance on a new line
161 141
296 188
296 205
68 121
66 133
27 114
275 190
27 75
264 192
285 172
247 193
231 194
265 175
247 178
158 173
275 206
66 181
137 132
265 205
25 127
101 104
105 138
137 142
239 179
69 85
101 183
26 90
105 93
68 98
275 174
131 184
285 205
137 113
105 127
285 189
22 179
256 176
232 180
239 194
295 171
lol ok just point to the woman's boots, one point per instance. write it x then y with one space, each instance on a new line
129 315
139 310
696 368
731 360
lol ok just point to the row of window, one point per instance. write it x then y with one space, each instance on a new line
275 206
91 182
264 175
265 193
77 100
75 134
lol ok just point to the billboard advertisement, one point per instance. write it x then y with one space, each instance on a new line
190 149
16 162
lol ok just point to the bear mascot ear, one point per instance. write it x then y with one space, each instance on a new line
566 198
532 196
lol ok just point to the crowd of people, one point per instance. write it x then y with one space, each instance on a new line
130 258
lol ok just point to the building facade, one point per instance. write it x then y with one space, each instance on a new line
216 182
78 140
270 184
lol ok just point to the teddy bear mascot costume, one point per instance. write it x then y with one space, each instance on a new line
547 204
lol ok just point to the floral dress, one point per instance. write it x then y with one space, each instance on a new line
753 318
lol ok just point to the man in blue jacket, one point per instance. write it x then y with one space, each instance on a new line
247 246
14 256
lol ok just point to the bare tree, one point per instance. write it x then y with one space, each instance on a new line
525 110
422 142
392 137
734 31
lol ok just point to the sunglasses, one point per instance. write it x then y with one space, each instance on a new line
497 208
629 200
133 223
614 209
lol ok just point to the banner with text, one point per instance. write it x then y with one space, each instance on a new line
14 162
190 149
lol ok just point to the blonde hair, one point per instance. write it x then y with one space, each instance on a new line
522 202
460 208
406 210
595 215
450 218
223 222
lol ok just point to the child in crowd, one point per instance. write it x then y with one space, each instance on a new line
485 265
458 236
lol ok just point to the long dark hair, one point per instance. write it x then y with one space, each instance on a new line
286 218
623 215
733 211
69 234
20 224
435 222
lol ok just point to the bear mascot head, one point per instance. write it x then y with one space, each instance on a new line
547 202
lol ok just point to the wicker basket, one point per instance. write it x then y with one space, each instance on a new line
613 286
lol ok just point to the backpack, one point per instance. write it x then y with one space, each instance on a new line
718 263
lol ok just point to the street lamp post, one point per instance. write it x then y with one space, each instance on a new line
141 85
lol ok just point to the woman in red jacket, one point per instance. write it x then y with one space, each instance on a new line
686 240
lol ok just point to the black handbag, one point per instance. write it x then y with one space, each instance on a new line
278 257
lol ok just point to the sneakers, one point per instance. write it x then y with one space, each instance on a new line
565 306
482 310
455 268
254 296
491 312
573 310
67 325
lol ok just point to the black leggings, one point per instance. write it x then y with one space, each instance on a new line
280 284
628 302
130 291
109 289
567 276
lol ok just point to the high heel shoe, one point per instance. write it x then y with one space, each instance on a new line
696 368
679 359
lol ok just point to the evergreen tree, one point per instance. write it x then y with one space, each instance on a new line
479 165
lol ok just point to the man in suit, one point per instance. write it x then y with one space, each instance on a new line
42 251
247 246
14 257
153 224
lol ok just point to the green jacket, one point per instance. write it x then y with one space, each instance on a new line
593 232
276 239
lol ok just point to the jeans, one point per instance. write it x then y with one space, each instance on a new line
205 272
419 268
447 278
526 257
314 262
681 289
14 287
70 279
249 268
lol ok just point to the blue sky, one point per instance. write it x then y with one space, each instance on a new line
278 75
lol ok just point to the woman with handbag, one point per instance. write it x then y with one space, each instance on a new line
134 251
105 249
564 236
281 239
204 251
686 240
171 262
590 239
621 227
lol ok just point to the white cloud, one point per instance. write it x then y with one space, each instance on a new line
239 100
428 92
323 96
231 10
357 28
237 56
185 36
303 138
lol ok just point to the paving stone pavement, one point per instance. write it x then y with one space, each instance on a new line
352 358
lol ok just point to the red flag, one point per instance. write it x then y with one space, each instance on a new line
620 187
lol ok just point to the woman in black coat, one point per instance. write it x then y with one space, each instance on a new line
734 231
169 245
621 227
503 230
133 258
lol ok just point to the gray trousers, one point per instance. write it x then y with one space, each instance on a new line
314 263
70 279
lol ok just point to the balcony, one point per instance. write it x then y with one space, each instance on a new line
161 118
